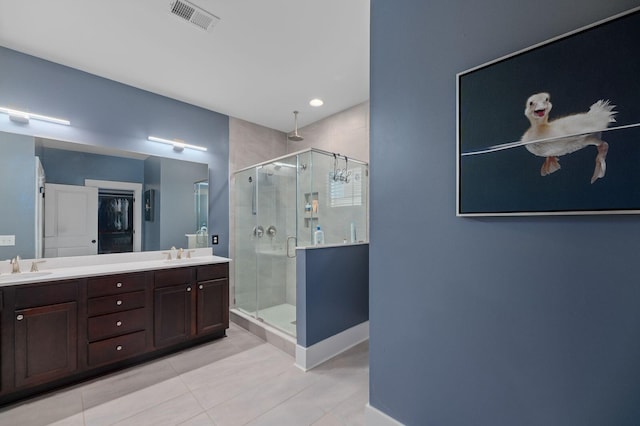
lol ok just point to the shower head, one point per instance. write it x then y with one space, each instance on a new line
295 137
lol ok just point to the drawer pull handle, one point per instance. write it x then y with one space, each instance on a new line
119 285
119 323
119 302
200 286
119 348
20 317
189 288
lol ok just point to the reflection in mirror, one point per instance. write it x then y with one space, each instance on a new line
94 199
201 198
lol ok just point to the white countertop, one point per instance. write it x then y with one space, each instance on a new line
62 268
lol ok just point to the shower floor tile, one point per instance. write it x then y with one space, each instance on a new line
281 316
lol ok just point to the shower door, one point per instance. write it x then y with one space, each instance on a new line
276 205
265 243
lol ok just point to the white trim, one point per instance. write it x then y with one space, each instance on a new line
314 355
375 417
137 199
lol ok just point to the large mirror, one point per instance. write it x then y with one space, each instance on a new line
67 199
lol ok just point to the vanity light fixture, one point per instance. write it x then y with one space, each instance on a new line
316 102
178 145
24 117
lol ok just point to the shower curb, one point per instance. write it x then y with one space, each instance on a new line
267 333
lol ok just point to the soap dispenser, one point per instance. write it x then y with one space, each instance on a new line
318 236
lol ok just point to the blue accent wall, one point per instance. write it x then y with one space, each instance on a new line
106 113
72 167
494 321
332 285
17 194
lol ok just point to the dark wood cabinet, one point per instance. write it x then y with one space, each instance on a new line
213 298
118 317
190 303
59 332
46 340
2 338
45 330
172 315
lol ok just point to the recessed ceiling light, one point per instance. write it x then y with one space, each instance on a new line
316 102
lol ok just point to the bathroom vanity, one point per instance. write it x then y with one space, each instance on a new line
82 317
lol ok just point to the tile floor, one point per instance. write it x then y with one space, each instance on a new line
237 380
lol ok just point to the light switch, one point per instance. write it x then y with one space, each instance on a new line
7 240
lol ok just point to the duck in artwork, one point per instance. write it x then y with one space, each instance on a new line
581 130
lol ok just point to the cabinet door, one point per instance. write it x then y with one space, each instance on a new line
46 340
2 342
172 314
213 306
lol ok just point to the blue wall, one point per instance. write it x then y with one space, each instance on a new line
105 113
17 194
332 289
495 321
72 167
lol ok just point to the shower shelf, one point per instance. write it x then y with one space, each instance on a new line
310 199
308 221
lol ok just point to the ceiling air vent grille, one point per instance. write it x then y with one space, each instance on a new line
193 14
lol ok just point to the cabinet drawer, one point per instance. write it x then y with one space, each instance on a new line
212 272
116 348
110 325
116 303
29 296
170 277
115 284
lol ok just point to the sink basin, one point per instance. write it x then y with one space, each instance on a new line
23 276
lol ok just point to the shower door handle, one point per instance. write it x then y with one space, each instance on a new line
295 242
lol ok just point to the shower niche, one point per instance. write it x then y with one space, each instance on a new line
311 207
278 206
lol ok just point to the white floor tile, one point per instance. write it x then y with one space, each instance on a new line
236 380
297 411
260 398
168 413
43 410
133 403
199 420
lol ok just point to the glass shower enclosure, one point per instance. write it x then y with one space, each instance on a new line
279 204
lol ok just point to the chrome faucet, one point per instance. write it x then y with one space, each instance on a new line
15 265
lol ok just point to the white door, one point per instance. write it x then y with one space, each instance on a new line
70 220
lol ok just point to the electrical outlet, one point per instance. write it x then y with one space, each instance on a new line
214 239
7 240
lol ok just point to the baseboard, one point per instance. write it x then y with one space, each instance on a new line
375 417
314 355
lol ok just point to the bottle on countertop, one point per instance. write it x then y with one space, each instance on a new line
318 237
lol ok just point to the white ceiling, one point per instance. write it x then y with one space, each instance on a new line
264 59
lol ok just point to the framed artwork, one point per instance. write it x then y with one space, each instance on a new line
554 129
149 204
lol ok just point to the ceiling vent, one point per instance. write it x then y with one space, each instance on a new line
193 14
